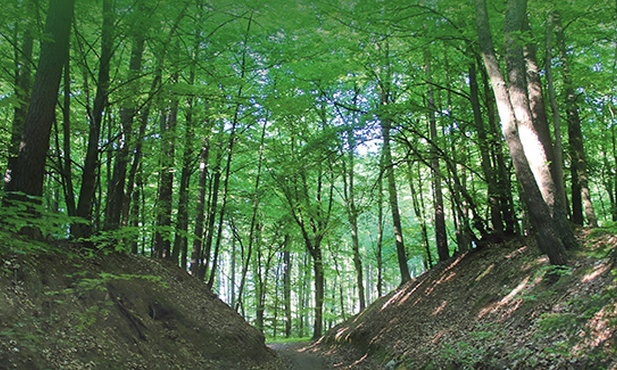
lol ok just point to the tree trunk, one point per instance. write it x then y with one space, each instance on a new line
581 196
116 197
318 270
546 230
504 185
557 146
441 238
485 155
380 223
28 172
89 176
67 175
182 218
254 212
287 284
23 87
352 214
198 234
162 235
418 208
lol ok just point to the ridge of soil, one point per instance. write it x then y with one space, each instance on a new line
498 307
117 311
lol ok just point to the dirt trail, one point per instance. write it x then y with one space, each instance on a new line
297 356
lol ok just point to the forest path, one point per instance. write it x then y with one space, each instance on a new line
297 357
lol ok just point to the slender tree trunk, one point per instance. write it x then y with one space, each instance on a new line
116 197
485 156
182 219
393 197
581 196
254 212
547 234
89 176
318 271
557 146
352 214
380 223
196 251
418 208
27 174
162 235
287 284
67 175
441 238
504 185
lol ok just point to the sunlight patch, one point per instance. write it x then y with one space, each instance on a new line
597 271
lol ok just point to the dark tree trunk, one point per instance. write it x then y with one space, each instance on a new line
393 198
23 86
28 171
198 234
581 196
89 176
418 208
67 175
557 166
485 155
504 185
287 284
116 197
441 238
162 236
380 224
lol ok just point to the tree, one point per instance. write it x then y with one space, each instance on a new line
28 171
511 99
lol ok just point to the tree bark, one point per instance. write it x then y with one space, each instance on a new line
29 168
547 234
162 235
198 234
116 197
23 87
485 155
557 145
89 176
352 213
287 284
581 196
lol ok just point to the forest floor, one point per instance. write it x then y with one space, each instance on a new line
500 307
298 356
79 308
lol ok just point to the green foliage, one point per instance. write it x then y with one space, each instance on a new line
283 340
468 354
109 241
30 217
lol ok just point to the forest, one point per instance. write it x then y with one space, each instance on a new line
304 158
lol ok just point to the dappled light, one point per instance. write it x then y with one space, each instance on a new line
276 185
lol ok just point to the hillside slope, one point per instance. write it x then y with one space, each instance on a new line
116 311
498 307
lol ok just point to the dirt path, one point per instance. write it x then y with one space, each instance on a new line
297 357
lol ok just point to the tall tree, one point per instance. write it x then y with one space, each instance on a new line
386 98
545 228
581 196
91 164
28 171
